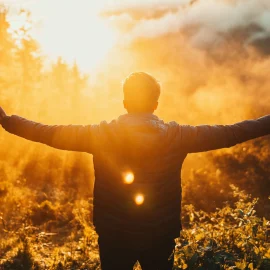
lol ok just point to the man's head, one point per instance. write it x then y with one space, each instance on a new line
141 93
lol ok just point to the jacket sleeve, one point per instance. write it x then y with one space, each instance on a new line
70 137
204 138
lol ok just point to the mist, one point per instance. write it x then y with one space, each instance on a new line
212 60
206 23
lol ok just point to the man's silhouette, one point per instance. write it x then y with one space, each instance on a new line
137 161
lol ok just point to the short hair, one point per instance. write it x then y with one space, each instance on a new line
141 90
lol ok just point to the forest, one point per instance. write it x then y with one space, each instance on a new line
46 194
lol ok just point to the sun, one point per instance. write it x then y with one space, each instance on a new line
98 39
71 29
85 40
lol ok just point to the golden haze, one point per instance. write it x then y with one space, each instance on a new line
220 85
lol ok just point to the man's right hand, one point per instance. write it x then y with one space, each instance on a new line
2 115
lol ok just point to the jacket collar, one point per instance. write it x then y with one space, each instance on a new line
138 116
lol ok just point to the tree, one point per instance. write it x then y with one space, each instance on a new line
29 59
6 56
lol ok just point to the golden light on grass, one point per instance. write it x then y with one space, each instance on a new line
129 178
139 199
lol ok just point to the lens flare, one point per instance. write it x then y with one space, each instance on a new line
139 199
129 178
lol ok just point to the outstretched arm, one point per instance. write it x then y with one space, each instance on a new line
204 138
71 137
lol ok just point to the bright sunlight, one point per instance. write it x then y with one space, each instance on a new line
70 29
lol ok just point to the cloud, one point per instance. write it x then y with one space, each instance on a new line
213 20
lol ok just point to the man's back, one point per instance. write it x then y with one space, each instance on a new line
148 150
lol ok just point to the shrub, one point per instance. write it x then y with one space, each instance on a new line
230 238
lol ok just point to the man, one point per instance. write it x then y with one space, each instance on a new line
137 161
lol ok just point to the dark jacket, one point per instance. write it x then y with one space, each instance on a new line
149 148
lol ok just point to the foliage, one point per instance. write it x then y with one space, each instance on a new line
230 238
71 245
246 166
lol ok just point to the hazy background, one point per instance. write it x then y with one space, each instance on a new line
63 62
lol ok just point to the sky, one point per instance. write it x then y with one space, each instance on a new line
75 30
64 28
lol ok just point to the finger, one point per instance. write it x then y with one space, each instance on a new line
2 112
